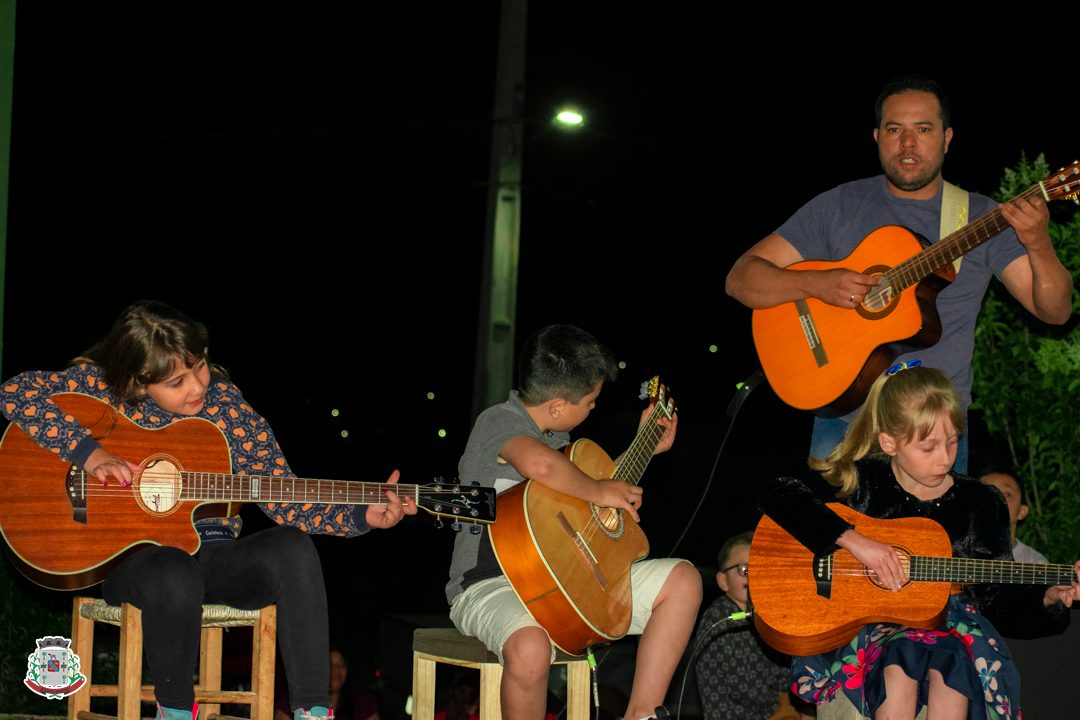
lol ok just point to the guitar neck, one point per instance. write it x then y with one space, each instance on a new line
956 244
633 462
262 489
1006 572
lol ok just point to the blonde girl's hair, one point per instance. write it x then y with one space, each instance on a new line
904 405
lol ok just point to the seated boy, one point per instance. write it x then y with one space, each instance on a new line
562 370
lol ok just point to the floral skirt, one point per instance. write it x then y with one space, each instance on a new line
966 649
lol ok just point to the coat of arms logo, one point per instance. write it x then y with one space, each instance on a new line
53 669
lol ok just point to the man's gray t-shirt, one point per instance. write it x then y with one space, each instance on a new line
832 225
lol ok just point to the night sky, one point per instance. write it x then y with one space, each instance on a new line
310 181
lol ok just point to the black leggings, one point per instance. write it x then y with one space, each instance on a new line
278 565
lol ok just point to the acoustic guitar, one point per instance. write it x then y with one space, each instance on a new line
824 358
65 530
569 560
806 604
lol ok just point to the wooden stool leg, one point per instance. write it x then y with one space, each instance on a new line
82 644
490 685
577 691
210 642
423 687
263 649
128 702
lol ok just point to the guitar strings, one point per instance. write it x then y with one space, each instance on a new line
910 271
946 570
90 486
635 459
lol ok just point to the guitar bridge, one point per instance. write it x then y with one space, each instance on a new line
77 498
823 575
809 328
584 549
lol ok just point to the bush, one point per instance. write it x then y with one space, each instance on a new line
1027 387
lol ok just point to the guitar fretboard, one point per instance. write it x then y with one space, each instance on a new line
633 462
262 489
966 570
940 254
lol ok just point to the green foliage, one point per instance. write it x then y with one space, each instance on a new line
1027 387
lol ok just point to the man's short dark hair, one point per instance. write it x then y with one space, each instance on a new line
913 83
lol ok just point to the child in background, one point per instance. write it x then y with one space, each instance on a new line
1008 482
739 677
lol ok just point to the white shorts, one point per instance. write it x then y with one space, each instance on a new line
491 611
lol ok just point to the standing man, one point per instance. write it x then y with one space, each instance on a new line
913 134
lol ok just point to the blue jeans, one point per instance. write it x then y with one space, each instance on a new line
828 432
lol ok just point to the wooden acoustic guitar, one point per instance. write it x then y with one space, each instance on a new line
806 604
65 530
824 358
569 560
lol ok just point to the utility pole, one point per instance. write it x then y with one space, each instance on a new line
7 77
498 288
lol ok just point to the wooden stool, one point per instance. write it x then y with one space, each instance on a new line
447 645
130 692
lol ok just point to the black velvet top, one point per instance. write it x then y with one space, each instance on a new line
974 516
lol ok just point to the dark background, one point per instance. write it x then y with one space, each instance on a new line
310 181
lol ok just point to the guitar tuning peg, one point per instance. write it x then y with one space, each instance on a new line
475 483
455 526
439 523
474 529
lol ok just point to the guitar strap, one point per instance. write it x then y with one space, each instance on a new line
954 213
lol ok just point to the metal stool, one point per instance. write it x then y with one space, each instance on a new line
447 645
130 692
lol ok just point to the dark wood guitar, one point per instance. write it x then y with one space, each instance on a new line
824 358
65 530
569 560
806 604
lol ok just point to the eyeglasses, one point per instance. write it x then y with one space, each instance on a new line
743 568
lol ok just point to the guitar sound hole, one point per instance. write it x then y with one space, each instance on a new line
880 301
905 562
609 520
158 486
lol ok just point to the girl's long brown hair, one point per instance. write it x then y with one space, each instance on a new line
143 346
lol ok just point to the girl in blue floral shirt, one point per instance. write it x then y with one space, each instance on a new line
152 367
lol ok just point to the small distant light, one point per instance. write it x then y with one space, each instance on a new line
408 705
335 412
569 118
622 364
713 348
431 396
344 433
442 432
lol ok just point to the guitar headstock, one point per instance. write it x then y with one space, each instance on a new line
653 391
462 503
1063 184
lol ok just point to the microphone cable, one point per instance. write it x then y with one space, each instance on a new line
735 616
742 390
